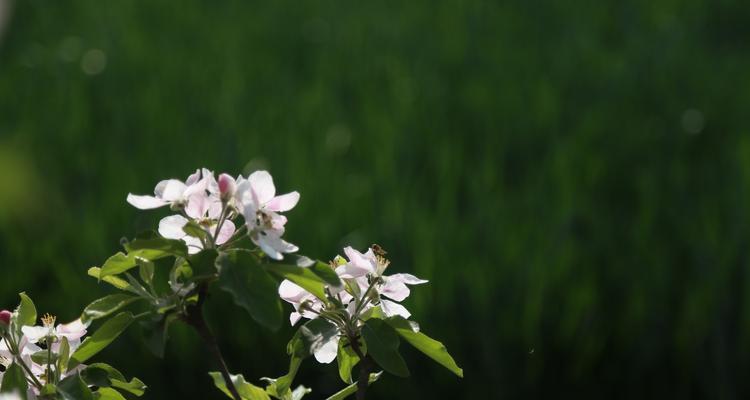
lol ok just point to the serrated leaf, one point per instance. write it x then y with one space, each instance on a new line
430 347
251 287
246 390
382 345
106 306
103 336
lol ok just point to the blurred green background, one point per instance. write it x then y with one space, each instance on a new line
573 178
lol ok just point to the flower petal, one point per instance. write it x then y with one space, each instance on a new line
284 202
171 227
34 333
291 292
327 352
72 330
395 289
145 202
227 230
174 190
391 309
262 185
197 205
408 279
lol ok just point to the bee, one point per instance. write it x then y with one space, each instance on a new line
378 250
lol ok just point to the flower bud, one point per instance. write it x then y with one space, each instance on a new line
5 317
227 186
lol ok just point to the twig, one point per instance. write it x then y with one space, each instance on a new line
364 369
194 318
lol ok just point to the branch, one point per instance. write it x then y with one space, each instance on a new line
364 368
194 318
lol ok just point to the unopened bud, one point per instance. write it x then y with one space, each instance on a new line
227 186
5 317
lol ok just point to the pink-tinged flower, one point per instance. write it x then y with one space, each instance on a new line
260 207
305 303
205 210
174 192
73 331
360 266
5 317
227 187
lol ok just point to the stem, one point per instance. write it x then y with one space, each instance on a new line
194 318
364 369
364 299
222 217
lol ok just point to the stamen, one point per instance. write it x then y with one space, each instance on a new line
48 320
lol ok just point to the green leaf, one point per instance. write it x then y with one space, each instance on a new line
25 314
117 264
155 333
247 390
430 347
96 377
382 344
304 277
347 359
41 357
193 229
14 381
64 355
351 389
146 271
326 273
143 248
251 287
73 388
119 283
155 248
106 393
106 306
203 263
117 379
103 336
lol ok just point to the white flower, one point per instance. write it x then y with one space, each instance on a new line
174 192
73 331
373 265
205 210
260 207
